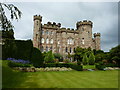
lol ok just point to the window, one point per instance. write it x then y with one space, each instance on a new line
74 50
66 50
46 49
47 40
51 32
70 49
37 22
42 49
51 48
47 32
42 32
83 41
42 40
58 41
70 41
51 41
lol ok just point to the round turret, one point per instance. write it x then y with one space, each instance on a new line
84 22
37 17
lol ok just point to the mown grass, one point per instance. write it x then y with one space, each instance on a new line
66 79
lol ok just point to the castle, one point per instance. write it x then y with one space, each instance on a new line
51 36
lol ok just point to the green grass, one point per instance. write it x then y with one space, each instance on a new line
66 79
89 67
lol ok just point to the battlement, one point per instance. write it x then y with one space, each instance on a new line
52 25
84 22
97 34
37 17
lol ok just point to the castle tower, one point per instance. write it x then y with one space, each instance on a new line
85 33
97 41
37 31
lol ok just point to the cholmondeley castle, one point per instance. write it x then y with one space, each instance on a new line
51 36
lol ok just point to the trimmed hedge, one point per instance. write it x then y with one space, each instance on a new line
13 64
18 49
100 66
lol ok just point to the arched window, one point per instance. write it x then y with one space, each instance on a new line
83 41
42 40
46 49
47 40
66 49
51 41
70 49
70 41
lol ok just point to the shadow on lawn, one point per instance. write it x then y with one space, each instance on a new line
11 78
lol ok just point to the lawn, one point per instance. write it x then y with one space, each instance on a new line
66 79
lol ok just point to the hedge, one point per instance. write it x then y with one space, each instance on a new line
19 49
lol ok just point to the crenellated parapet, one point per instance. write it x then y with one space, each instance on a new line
37 17
67 30
97 34
84 22
52 25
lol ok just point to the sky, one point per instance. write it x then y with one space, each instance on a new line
104 16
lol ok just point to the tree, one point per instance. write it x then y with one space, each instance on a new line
15 13
49 57
85 59
115 54
91 59
58 56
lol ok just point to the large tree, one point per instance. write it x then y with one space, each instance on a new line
14 13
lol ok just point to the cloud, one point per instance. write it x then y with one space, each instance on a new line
104 16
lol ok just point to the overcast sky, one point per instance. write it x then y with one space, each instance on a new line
104 16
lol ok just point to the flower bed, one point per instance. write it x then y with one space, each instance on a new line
32 69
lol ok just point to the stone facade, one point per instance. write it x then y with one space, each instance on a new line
51 36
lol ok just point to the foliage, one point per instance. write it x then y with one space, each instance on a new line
79 52
115 54
91 59
77 67
66 60
15 13
58 56
85 59
8 34
49 57
100 65
19 49
37 57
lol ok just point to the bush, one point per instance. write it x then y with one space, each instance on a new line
85 59
111 65
77 67
37 57
19 49
100 66
91 59
66 60
49 57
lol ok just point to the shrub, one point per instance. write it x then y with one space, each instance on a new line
15 64
66 60
77 67
49 57
85 59
100 66
37 57
111 65
91 59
